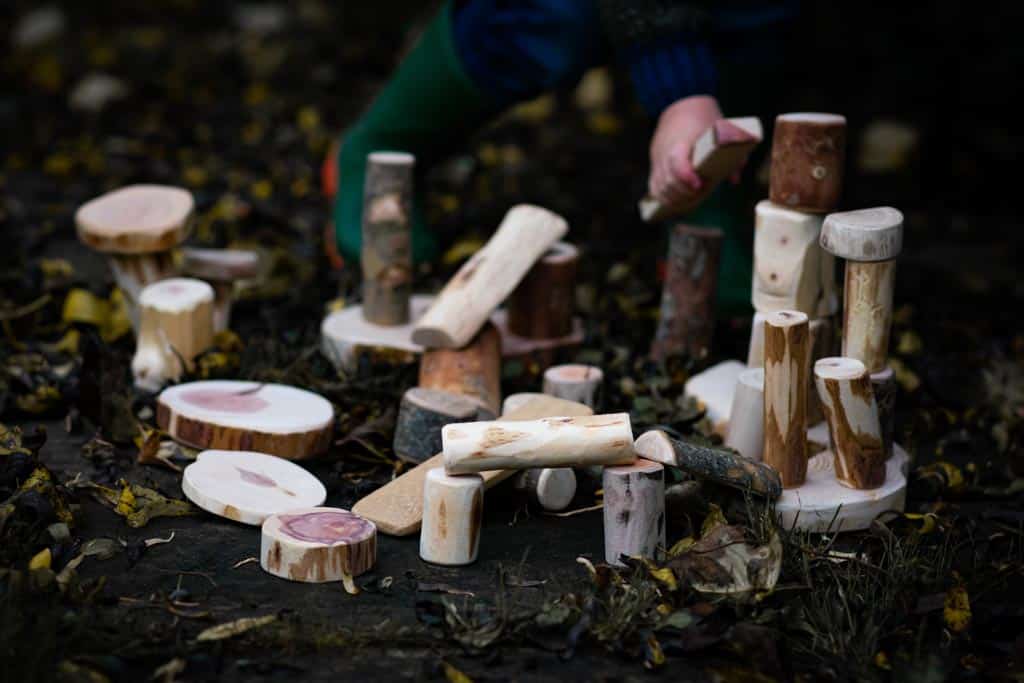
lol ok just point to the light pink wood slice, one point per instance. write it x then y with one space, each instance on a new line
137 219
317 544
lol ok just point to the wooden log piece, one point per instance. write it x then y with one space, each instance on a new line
473 370
787 260
786 372
387 237
844 387
808 152
453 511
176 326
885 388
574 382
317 544
746 419
397 507
421 415
634 510
234 415
489 276
715 464
346 336
541 307
687 318
221 268
548 442
550 488
248 487
714 388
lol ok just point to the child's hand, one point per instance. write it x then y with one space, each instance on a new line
673 180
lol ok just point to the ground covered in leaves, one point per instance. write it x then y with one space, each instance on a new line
107 574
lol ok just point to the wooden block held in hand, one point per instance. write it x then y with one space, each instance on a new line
844 387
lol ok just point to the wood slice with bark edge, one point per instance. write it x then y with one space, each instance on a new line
786 371
453 511
234 415
549 488
808 153
317 544
574 382
397 507
885 388
716 464
746 418
221 268
473 370
864 235
844 387
713 388
634 510
787 260
387 237
248 487
176 326
489 276
346 336
421 415
547 442
687 315
541 307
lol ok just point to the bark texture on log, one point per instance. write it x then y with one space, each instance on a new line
176 326
867 312
387 237
634 510
786 372
808 153
550 488
746 419
421 415
717 464
541 306
473 370
885 388
317 544
844 387
574 382
453 511
787 260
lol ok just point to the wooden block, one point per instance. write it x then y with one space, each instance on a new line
488 277
885 388
346 336
808 152
453 510
746 418
550 488
714 389
786 372
176 325
248 487
634 510
844 387
787 260
473 370
541 307
547 442
221 268
397 507
421 415
387 238
574 382
687 319
234 415
317 544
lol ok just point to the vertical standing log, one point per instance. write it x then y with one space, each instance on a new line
822 342
746 419
453 512
541 306
808 151
474 370
885 388
634 510
786 358
387 237
176 325
574 382
844 387
687 318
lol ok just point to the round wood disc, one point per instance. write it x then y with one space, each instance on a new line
318 544
220 265
137 219
248 487
235 415
346 333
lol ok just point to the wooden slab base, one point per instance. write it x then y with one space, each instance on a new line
318 544
346 334
714 388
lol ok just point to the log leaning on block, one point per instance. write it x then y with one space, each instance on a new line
421 415
808 152
176 325
786 372
453 511
489 276
317 544
473 370
844 387
541 307
387 237
548 442
634 510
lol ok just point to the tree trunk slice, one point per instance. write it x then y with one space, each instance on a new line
387 238
453 511
634 510
549 488
548 442
397 507
541 306
574 382
317 544
346 336
885 388
808 153
746 418
867 312
787 260
874 234
137 219
786 372
248 487
474 370
687 318
422 414
844 387
489 276
234 415
714 388
176 326
716 464
221 268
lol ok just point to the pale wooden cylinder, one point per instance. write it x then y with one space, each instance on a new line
787 260
867 312
755 350
786 371
453 510
421 415
134 272
844 387
808 152
885 388
574 382
387 237
822 346
634 510
550 488
176 326
541 306
319 544
473 370
746 419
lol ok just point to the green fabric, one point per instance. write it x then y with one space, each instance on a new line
428 103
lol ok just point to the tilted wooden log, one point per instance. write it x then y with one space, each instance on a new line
716 464
453 511
221 268
317 544
687 318
550 488
421 415
634 510
541 307
548 442
808 152
489 276
473 370
176 326
844 387
786 371
787 260
885 388
746 419
387 237
574 382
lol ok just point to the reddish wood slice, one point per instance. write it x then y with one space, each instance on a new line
318 544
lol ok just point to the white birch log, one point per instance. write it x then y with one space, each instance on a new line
844 387
574 382
176 326
746 419
550 488
221 268
453 510
634 510
489 276
421 415
317 544
786 372
787 260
